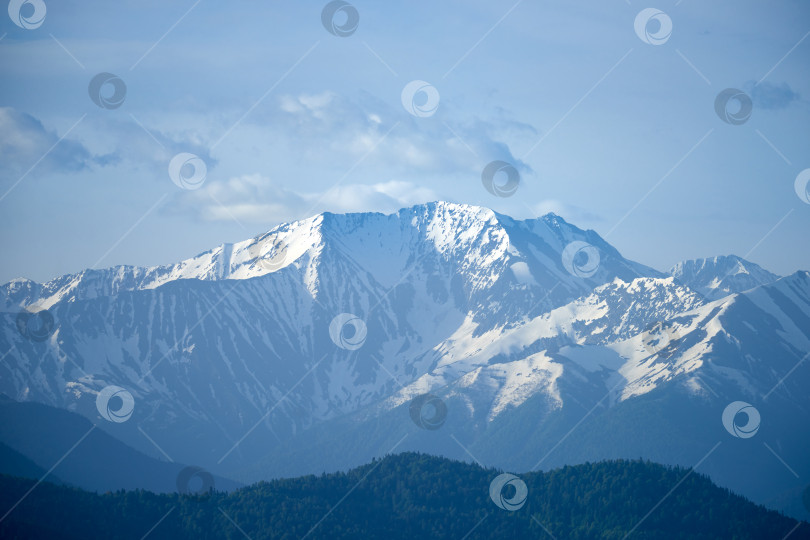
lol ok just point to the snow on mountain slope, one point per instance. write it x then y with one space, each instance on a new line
510 384
612 312
519 395
647 332
239 336
747 341
717 277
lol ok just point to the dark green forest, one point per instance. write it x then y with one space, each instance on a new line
408 496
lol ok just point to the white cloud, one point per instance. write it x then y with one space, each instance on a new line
334 138
330 126
312 104
114 144
25 141
257 199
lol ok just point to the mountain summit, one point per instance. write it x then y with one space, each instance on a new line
716 277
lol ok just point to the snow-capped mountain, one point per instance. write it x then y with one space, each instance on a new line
547 397
208 346
303 348
717 277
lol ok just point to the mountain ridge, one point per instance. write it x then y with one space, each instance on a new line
240 258
41 435
737 275
411 495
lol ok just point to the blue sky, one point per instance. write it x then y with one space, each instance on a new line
607 130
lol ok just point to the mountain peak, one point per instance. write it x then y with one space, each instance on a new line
716 277
727 262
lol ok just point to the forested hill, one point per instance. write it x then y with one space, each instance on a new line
409 496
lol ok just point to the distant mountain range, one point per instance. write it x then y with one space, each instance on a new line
719 277
412 496
33 437
443 328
